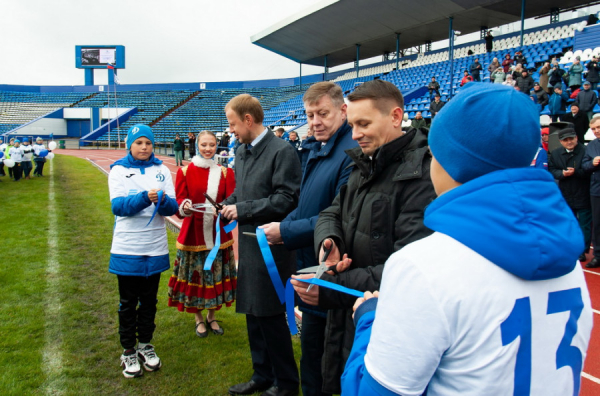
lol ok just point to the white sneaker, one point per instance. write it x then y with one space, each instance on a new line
148 358
131 365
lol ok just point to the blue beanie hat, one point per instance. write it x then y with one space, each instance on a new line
136 132
485 128
17 141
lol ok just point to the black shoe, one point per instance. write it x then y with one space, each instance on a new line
204 334
582 258
248 388
275 391
219 331
595 263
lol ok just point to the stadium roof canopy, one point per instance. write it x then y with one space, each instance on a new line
334 27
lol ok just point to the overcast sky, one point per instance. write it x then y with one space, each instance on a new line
165 41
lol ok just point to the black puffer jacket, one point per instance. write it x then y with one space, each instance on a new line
378 212
525 84
575 189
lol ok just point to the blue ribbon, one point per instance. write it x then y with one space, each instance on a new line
286 296
160 196
270 262
213 252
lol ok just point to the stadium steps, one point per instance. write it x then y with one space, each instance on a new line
82 99
168 112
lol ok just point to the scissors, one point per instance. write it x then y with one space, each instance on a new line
216 205
322 267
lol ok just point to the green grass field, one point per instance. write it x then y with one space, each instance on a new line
58 315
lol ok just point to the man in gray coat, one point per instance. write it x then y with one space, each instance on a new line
268 177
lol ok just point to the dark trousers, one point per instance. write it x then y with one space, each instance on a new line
272 353
26 165
17 171
584 217
313 347
2 169
596 225
11 173
137 308
437 91
39 167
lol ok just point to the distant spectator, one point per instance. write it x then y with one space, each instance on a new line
557 104
419 122
178 147
433 86
282 134
555 75
592 76
507 63
191 144
509 81
309 143
225 138
516 71
580 122
436 106
493 66
295 142
591 163
475 68
489 41
565 164
541 158
525 82
466 79
520 59
586 100
575 74
542 96
544 78
545 138
498 76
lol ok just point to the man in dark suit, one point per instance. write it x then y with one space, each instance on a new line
268 182
579 120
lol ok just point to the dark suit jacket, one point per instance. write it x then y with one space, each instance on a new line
267 188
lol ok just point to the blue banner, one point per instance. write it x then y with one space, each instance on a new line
213 252
157 205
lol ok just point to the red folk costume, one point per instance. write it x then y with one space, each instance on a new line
192 289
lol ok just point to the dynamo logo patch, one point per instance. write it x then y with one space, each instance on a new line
135 130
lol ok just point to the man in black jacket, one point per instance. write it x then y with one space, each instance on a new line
433 86
436 106
378 212
593 69
542 96
579 121
475 68
525 82
587 99
565 164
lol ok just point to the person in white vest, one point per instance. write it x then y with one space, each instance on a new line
15 153
140 250
494 302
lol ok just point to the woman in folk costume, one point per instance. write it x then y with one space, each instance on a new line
191 288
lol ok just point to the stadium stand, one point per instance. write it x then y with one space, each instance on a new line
186 110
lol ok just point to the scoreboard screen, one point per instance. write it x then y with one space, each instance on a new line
99 56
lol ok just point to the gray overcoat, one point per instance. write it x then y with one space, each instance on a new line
267 188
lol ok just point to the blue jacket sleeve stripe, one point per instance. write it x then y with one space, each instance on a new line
130 205
169 207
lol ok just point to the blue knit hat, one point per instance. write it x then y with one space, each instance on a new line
485 128
17 141
136 132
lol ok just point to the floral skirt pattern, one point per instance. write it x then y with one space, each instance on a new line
191 289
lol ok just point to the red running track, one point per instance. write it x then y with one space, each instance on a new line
590 383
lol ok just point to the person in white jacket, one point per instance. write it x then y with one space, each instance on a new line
39 161
141 194
494 302
15 153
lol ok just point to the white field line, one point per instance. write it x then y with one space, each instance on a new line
591 272
590 377
52 356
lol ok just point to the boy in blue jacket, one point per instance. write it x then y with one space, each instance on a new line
141 194
494 302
